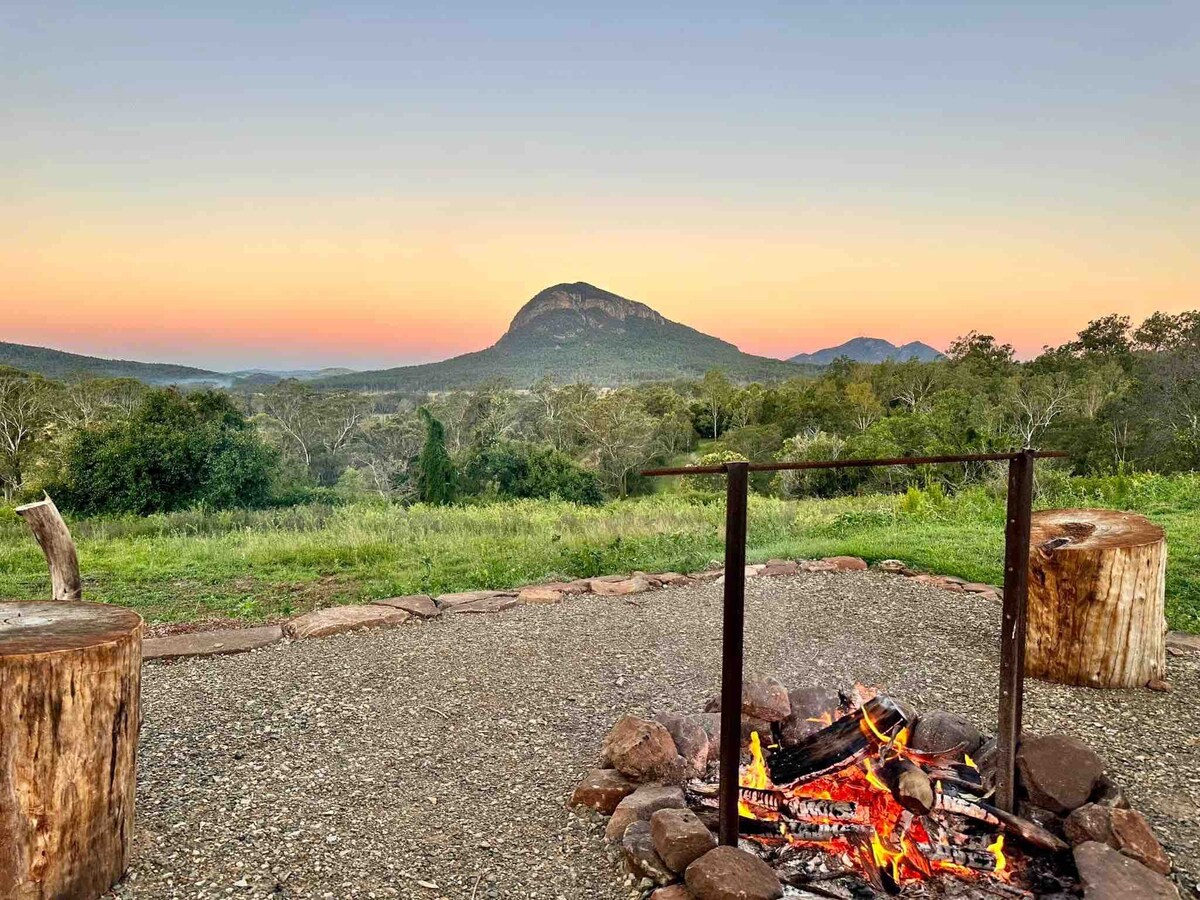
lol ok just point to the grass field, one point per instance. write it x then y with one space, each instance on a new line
267 563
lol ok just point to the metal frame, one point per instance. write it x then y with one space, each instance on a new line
1012 634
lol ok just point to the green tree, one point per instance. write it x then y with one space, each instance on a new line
173 452
511 469
437 480
25 405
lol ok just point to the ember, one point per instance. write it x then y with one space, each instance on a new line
854 797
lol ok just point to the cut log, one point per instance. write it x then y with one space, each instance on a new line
52 535
909 784
845 742
1097 582
70 677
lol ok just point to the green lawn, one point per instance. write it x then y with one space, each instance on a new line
261 564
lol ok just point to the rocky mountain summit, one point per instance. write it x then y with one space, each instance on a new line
578 307
577 331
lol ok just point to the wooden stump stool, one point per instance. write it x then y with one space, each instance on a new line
1097 581
70 678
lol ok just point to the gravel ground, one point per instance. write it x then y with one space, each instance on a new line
433 760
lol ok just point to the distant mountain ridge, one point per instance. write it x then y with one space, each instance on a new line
61 364
578 331
870 350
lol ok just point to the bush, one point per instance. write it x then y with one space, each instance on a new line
174 452
513 470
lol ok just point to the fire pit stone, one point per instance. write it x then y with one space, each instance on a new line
810 707
763 697
1109 875
642 860
940 732
641 749
1091 822
640 806
1059 773
1125 830
728 873
691 740
602 790
680 837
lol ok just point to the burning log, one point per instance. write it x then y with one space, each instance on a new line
840 810
820 832
909 785
968 858
1030 832
961 777
960 806
844 743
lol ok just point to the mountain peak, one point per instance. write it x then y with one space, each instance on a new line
570 307
870 350
579 332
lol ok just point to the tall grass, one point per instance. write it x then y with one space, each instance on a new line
257 564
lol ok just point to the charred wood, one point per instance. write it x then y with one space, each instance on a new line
844 743
981 860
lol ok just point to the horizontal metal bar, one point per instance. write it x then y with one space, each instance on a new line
855 463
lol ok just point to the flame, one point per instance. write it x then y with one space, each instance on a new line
898 840
885 858
753 775
970 762
997 850
825 718
872 777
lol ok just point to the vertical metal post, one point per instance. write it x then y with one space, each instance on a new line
737 484
1012 628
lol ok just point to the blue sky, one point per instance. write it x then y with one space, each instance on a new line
1074 119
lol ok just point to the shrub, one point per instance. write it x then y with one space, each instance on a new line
513 470
172 453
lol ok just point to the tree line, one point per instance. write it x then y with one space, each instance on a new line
1118 397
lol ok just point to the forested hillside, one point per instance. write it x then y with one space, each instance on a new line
60 364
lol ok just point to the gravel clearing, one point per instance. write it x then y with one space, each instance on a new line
434 760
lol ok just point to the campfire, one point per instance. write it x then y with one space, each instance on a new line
853 798
852 794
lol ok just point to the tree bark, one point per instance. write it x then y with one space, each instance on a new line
70 676
1097 583
52 535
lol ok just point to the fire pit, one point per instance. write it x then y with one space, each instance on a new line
854 794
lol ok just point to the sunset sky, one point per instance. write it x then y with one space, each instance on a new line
372 184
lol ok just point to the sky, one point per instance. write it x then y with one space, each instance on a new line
373 184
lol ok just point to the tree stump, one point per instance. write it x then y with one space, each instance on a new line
1097 583
70 678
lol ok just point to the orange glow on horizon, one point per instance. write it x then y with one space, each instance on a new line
369 286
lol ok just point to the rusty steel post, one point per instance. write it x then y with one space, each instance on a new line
736 491
1013 622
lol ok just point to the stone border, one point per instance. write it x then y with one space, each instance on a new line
394 611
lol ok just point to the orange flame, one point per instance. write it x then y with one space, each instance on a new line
897 837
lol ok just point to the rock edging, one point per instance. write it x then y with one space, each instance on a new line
395 611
